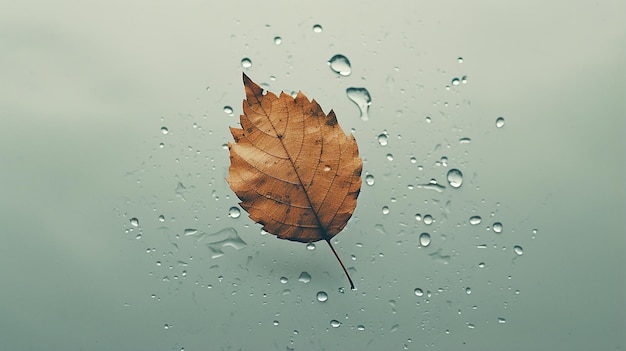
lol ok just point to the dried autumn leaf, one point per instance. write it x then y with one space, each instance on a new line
293 168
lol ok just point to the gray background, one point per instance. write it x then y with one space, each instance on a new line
87 86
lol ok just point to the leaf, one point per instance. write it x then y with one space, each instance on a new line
293 167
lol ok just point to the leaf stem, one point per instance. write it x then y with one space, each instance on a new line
342 265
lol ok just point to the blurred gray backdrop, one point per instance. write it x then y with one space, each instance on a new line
119 231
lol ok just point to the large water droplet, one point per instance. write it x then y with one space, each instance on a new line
361 97
500 122
335 323
455 178
134 222
317 28
322 296
418 292
518 250
369 179
424 239
340 65
246 62
497 227
304 277
382 139
428 219
475 220
227 237
234 212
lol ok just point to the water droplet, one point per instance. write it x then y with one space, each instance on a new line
468 290
164 130
278 40
432 185
369 180
518 250
340 65
304 277
413 160
317 28
456 81
335 323
276 323
418 217
326 168
475 220
228 110
501 320
134 222
190 231
234 212
321 296
428 119
284 280
465 140
455 178
464 79
460 60
497 227
361 97
481 265
389 157
360 327
310 246
227 237
385 210
500 122
246 62
382 139
418 292
161 218
166 326
428 219
424 239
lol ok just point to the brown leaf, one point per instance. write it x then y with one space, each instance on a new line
293 168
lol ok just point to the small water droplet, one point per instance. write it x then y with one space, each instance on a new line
317 28
278 40
360 327
389 157
340 65
234 212
424 239
383 139
459 60
166 326
164 130
500 122
284 280
134 222
455 178
468 290
276 323
321 296
161 218
518 250
228 110
418 292
335 323
475 220
481 265
456 81
501 320
465 140
246 62
497 227
464 79
428 119
418 217
310 246
361 97
428 219
385 210
369 180
304 277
